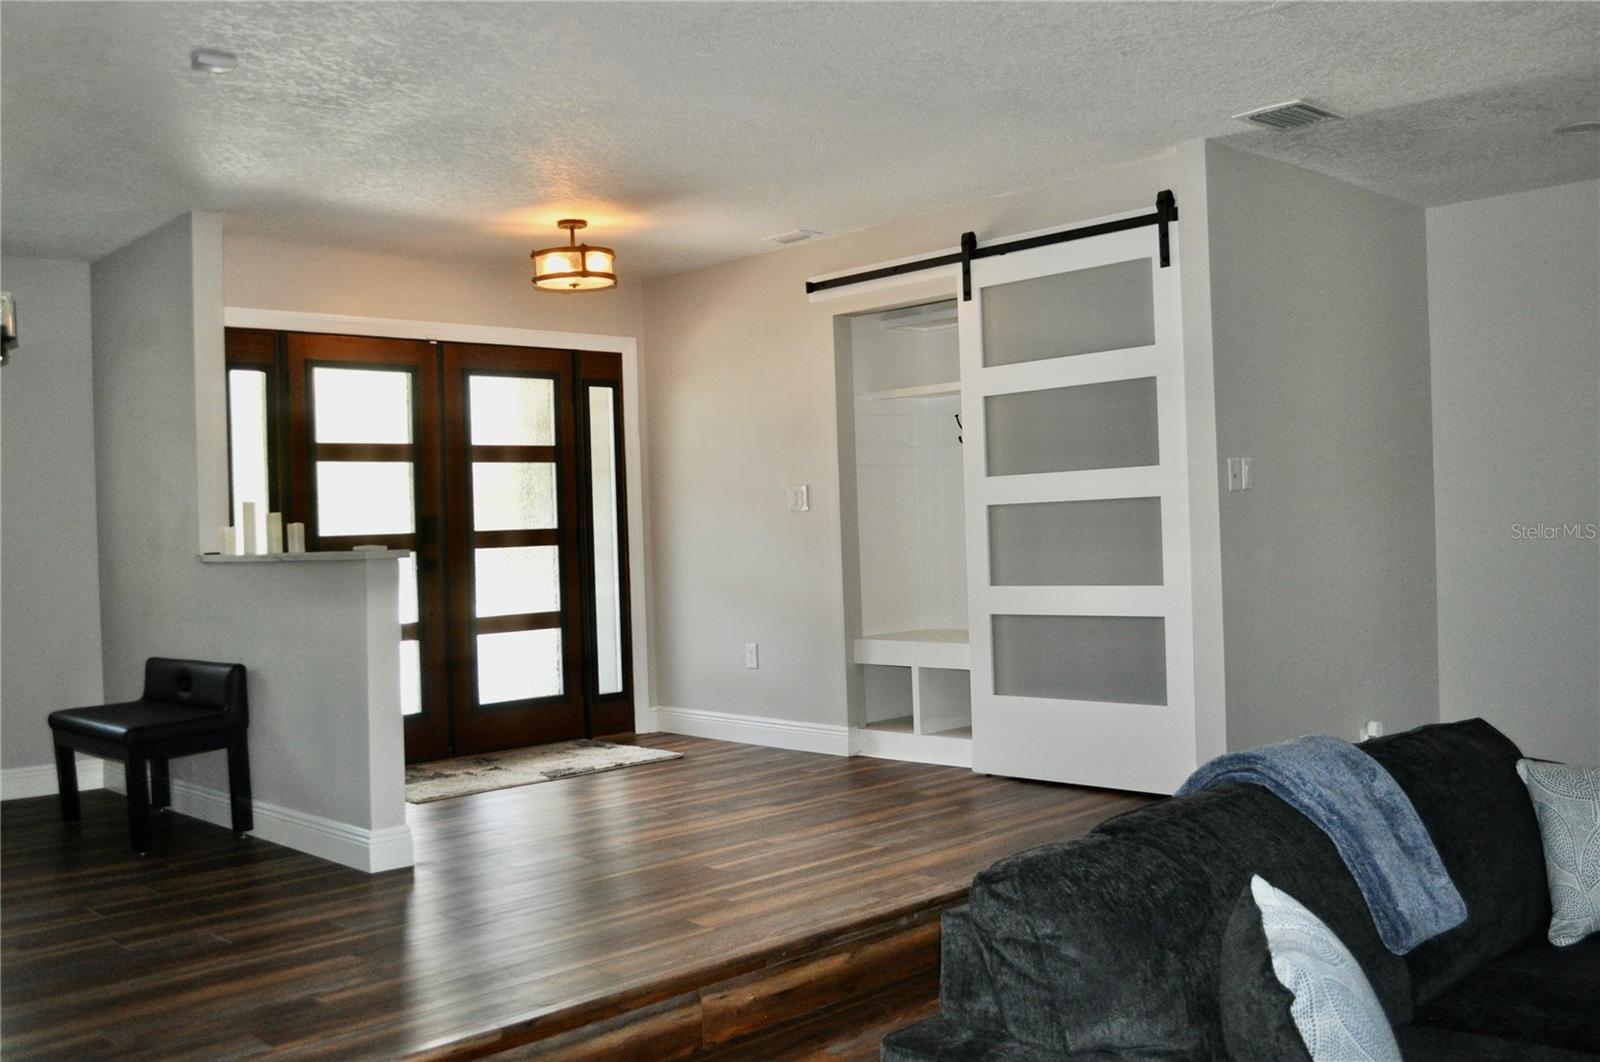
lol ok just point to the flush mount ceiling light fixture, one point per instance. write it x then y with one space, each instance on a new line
212 61
575 267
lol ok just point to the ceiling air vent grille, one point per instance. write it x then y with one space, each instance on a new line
1296 114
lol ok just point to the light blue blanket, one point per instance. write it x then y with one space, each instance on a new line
1371 821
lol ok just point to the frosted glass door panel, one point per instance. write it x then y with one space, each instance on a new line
364 498
513 495
1100 542
519 665
1069 429
361 405
410 678
606 540
517 579
512 410
408 589
1121 659
1085 311
247 446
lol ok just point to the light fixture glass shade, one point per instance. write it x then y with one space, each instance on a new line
575 267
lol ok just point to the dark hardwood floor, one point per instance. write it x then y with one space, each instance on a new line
531 913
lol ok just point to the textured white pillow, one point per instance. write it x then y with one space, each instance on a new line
1567 801
1335 1009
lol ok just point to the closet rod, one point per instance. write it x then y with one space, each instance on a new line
1165 213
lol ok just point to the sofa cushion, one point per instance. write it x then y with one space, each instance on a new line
1339 1017
1425 1043
1112 942
1462 778
1254 1005
1538 993
966 985
942 1040
1566 801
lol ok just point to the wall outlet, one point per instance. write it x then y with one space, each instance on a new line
1371 728
800 498
752 655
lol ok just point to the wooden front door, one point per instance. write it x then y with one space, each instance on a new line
500 469
512 474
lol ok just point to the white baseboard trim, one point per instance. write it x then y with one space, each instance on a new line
373 851
18 783
826 738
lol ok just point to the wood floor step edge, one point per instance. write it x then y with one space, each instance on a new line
720 1006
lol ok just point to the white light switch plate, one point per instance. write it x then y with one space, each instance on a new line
1238 473
752 655
800 499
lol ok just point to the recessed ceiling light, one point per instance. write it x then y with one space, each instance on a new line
794 236
1579 127
212 61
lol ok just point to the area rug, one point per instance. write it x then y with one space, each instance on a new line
465 775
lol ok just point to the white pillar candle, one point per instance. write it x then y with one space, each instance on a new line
229 544
248 531
274 532
297 538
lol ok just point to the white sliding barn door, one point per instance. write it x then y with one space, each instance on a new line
1077 515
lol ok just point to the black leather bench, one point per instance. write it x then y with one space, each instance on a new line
188 706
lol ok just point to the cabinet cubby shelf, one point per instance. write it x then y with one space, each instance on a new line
945 647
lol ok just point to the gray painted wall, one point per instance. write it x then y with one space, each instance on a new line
1319 310
301 629
49 581
742 401
1514 295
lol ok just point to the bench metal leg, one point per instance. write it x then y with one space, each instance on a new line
138 804
160 783
67 783
239 785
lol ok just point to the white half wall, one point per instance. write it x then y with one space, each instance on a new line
1319 307
49 578
1514 302
320 640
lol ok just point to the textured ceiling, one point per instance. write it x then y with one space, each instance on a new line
687 132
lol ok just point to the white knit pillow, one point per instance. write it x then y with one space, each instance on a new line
1335 1009
1567 802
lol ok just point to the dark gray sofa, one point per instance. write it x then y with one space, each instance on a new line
1140 941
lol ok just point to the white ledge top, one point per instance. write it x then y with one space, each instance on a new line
300 558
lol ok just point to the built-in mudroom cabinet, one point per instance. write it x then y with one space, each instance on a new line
1015 511
910 645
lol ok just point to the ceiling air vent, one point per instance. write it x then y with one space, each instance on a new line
1296 114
